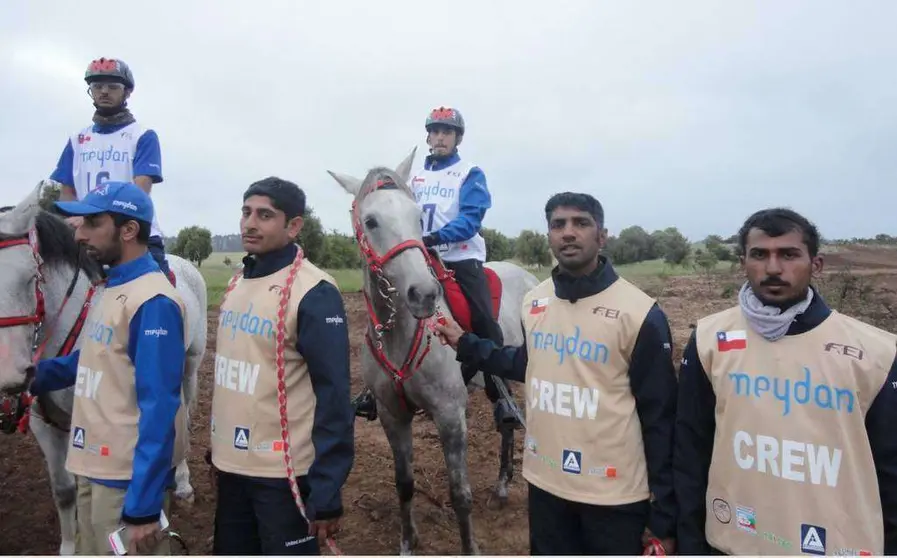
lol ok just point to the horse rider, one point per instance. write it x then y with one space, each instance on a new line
601 411
115 147
128 427
277 400
786 413
454 198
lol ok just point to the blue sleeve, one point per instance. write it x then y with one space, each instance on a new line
880 422
692 451
473 200
148 157
505 362
156 347
55 373
324 343
652 378
63 172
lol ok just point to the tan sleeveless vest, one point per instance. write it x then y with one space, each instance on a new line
584 439
246 426
792 471
105 415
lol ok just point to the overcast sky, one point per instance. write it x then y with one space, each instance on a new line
687 114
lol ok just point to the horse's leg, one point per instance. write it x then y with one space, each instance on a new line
184 492
506 464
452 426
398 432
505 424
54 444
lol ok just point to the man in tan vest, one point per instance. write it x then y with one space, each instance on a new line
128 428
785 440
601 396
282 419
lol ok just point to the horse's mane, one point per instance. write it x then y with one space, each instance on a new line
58 245
385 174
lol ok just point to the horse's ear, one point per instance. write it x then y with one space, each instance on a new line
20 219
404 168
350 184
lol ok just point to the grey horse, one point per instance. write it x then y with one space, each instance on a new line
405 296
63 267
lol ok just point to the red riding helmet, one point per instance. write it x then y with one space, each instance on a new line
109 68
445 116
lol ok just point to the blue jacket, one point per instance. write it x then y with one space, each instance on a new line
652 377
696 426
326 351
474 199
147 156
159 366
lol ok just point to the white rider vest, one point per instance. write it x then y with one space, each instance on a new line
438 194
99 158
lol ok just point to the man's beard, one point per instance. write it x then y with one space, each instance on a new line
111 256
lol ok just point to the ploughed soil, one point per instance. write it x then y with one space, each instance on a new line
371 526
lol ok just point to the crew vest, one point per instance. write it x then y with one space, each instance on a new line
438 193
98 158
792 469
246 423
105 414
583 435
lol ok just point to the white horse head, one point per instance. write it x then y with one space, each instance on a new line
388 218
38 255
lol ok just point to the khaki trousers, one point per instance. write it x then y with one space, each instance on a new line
99 514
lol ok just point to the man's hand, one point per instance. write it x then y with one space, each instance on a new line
142 539
74 221
324 529
449 333
669 545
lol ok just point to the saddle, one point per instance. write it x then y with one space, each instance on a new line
454 296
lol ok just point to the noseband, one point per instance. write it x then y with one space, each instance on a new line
14 407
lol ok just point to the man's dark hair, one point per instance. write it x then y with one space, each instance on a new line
143 233
582 202
778 221
284 195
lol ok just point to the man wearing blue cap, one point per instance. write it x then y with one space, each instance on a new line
128 428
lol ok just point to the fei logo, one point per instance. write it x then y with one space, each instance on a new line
571 461
78 437
241 438
812 539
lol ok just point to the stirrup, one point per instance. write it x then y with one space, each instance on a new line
365 405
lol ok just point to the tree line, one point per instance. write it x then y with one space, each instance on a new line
335 250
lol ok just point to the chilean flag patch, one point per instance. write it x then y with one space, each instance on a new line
731 340
538 306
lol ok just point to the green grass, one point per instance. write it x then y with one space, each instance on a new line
217 274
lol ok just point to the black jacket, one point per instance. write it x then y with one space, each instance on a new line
652 377
325 347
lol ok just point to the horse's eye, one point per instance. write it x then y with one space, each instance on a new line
370 223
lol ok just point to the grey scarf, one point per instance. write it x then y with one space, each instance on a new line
769 321
120 117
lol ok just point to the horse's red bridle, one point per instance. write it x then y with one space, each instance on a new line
37 317
375 263
12 410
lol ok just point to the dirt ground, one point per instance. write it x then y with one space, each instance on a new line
371 526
